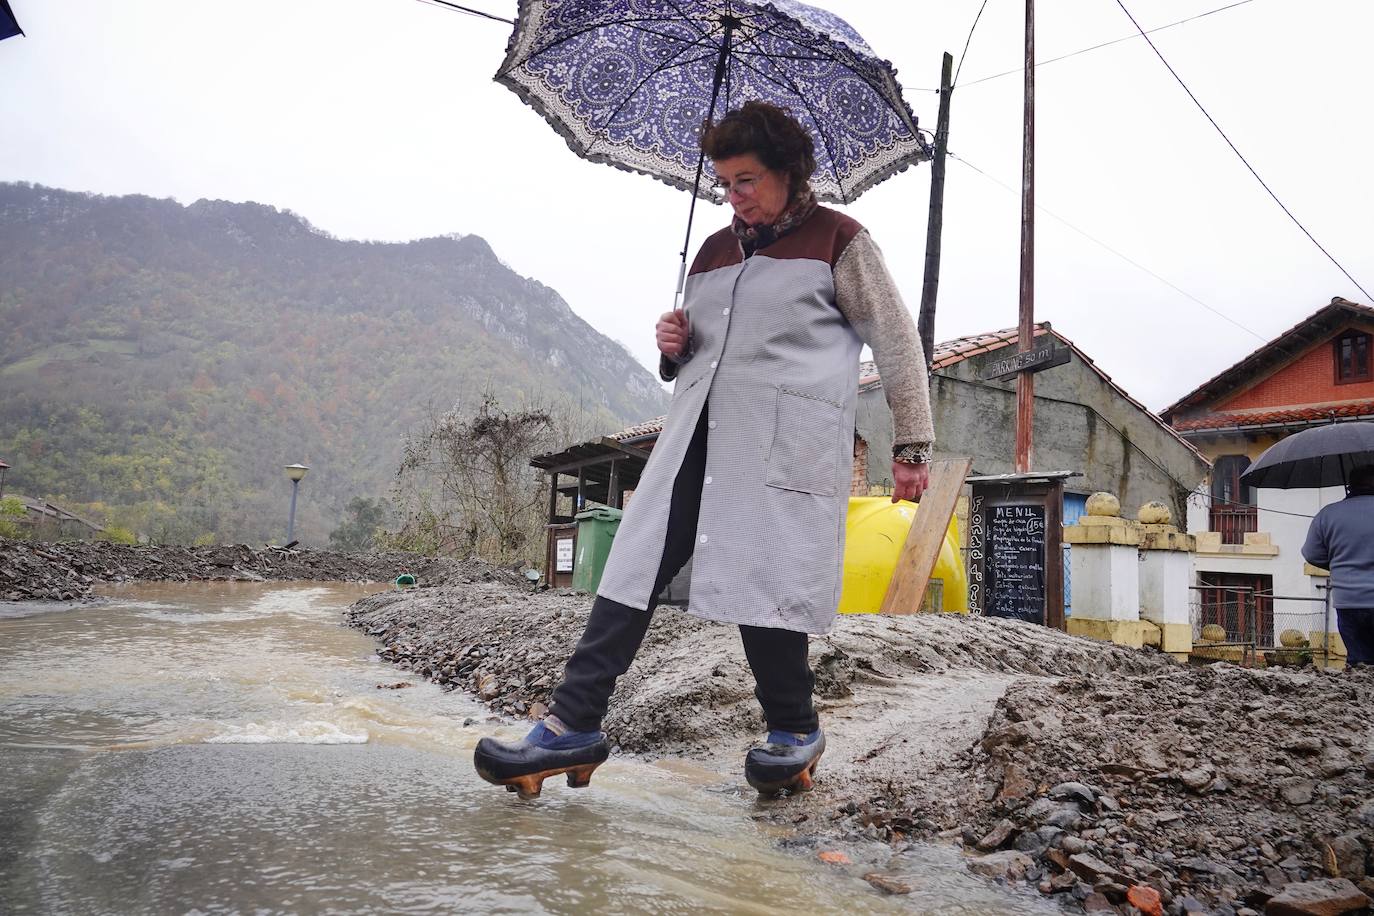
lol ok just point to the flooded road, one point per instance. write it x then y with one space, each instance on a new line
232 747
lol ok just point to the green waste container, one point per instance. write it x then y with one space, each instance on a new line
595 532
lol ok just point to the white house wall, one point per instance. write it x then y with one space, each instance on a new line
1285 516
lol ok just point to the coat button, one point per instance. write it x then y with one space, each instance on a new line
714 363
707 480
711 424
704 539
725 311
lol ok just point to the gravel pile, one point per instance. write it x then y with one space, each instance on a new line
1217 787
67 571
505 645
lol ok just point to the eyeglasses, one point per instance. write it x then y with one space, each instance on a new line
744 187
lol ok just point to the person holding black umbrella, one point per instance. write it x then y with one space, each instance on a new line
1341 540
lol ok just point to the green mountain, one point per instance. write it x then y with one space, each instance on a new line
160 363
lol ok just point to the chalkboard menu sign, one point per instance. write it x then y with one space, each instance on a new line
1015 565
1014 556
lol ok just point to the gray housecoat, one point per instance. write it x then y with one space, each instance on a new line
776 362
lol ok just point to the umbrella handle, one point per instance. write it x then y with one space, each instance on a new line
681 282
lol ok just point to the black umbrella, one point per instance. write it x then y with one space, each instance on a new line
1320 457
9 26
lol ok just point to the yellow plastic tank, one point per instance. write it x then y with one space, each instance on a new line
875 531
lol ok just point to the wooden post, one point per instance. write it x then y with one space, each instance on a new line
613 488
1025 381
922 548
553 497
925 322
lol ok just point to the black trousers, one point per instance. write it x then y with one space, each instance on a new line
783 681
1356 626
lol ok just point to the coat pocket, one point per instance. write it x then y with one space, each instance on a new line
683 386
805 432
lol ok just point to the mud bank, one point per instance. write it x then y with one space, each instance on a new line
67 571
1109 779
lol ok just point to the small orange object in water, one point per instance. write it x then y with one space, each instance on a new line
1145 899
834 857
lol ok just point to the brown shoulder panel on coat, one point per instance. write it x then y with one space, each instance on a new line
721 249
823 237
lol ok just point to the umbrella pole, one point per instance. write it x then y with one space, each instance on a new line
721 62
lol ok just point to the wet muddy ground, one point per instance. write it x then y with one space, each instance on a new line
1109 779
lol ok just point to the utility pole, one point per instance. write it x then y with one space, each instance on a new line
925 322
1025 335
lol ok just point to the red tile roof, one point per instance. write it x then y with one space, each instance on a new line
1292 415
647 428
961 348
1282 347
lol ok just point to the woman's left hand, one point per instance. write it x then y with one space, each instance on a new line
909 480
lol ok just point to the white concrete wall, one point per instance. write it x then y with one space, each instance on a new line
1285 516
1289 532
1198 507
1106 581
1165 577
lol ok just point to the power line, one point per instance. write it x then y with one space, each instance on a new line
468 10
1114 41
1218 501
960 68
1096 241
1242 158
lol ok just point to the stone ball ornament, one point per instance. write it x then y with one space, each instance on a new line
1292 639
1103 504
1214 632
1155 513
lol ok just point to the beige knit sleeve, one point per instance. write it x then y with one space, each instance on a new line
870 302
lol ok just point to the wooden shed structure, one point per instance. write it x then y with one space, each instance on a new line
599 471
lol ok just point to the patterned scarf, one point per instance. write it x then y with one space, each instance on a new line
753 238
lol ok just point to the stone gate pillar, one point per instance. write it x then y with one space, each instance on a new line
1166 572
1106 573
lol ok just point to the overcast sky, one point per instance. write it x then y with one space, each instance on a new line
378 119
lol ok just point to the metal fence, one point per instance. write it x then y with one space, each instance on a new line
1254 623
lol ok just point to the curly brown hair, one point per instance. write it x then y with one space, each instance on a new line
770 133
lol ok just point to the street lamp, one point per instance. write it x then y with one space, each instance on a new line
296 472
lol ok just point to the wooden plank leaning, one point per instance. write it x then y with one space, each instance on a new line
917 560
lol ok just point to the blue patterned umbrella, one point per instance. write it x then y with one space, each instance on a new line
9 26
631 82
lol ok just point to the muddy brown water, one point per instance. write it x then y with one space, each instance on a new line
225 747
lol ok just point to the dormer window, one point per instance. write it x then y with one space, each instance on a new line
1352 357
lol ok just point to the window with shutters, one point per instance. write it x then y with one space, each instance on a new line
1352 357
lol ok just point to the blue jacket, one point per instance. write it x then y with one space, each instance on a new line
1341 540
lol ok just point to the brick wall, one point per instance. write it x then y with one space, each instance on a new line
858 484
1311 379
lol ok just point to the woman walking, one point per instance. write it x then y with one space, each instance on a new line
750 477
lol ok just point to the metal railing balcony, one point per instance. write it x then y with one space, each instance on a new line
1234 522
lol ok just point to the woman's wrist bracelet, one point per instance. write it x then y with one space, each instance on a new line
914 453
